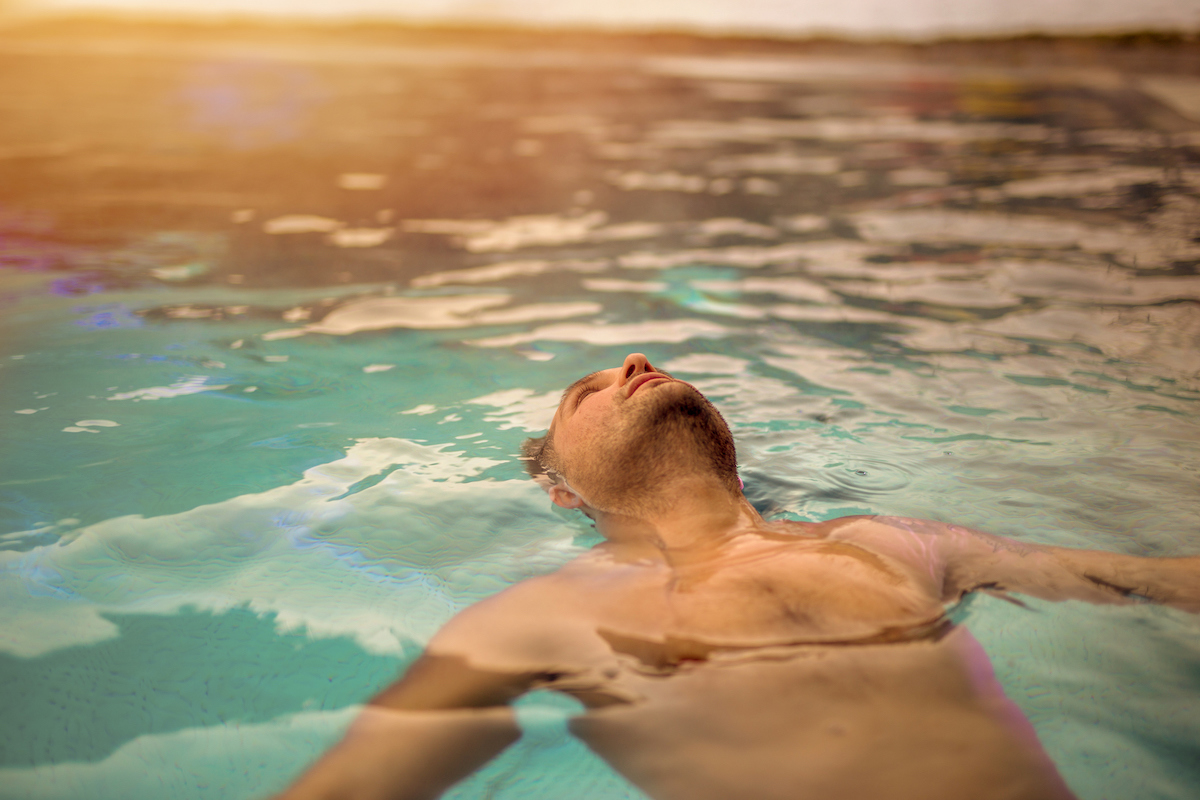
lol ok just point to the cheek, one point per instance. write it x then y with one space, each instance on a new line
587 423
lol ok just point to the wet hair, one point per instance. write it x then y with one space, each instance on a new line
535 452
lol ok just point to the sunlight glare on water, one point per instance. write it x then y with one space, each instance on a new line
276 324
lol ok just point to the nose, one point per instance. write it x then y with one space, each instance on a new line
635 364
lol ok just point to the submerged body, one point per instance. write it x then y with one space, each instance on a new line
806 665
720 655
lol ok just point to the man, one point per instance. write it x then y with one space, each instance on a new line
723 656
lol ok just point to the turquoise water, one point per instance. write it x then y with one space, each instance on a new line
250 466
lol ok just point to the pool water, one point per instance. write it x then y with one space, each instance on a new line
278 312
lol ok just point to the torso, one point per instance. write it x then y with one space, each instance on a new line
921 720
761 591
795 665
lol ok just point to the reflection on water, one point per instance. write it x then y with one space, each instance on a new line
305 293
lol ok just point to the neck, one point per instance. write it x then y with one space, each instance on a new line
685 521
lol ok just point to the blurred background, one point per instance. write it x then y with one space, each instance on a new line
284 286
919 19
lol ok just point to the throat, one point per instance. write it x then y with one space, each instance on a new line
693 522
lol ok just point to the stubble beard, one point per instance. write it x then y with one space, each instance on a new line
668 435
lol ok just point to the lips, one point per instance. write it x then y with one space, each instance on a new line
642 380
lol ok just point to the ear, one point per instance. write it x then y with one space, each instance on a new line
564 496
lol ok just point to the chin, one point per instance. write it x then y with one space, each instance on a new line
685 420
679 398
674 430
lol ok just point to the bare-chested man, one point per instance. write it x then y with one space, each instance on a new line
723 656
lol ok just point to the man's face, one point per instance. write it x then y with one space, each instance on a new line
623 430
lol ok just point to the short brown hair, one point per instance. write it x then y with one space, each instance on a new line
537 452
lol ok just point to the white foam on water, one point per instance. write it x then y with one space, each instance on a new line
1099 284
1152 341
733 226
435 313
969 227
792 288
450 227
321 553
748 398
537 230
962 294
360 237
1165 242
191 385
537 311
707 364
834 314
617 285
1075 185
283 333
440 313
520 408
492 273
749 256
672 331
1164 336
776 163
423 409
899 271
669 181
690 133
300 223
626 231
792 70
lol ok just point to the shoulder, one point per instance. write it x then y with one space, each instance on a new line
923 547
540 623
882 528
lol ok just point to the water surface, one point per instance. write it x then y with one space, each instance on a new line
278 311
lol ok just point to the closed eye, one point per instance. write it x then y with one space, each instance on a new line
584 392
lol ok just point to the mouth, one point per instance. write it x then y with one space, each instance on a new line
642 380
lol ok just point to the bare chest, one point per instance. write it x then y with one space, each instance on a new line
815 591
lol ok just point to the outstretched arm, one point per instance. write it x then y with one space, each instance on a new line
433 727
968 559
449 714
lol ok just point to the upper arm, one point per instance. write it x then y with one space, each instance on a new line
971 559
443 718
448 682
498 649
